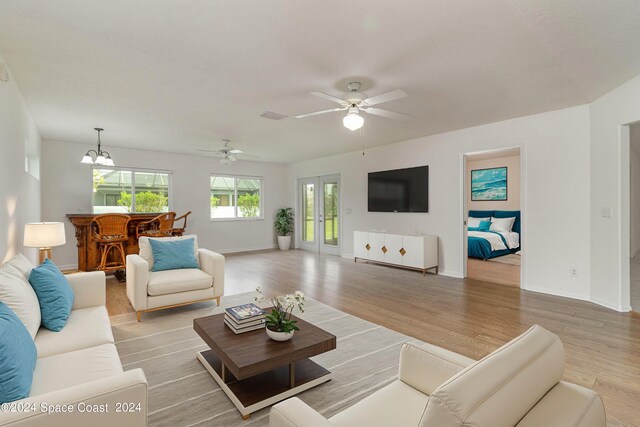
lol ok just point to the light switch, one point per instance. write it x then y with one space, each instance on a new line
606 213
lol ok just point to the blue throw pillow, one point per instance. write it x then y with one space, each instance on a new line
172 254
18 356
484 226
54 295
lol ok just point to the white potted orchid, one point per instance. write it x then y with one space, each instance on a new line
279 325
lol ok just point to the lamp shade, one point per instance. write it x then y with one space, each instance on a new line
44 234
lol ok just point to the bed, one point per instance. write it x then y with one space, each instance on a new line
491 244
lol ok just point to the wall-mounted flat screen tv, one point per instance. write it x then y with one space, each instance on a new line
400 190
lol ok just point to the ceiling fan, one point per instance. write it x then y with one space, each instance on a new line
355 102
227 154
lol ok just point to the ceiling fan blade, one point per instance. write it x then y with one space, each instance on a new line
330 97
234 151
386 97
301 116
386 113
207 151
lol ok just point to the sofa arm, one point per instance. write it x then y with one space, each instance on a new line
102 396
295 413
425 367
213 264
137 281
89 289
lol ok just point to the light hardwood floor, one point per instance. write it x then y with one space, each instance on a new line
495 272
467 316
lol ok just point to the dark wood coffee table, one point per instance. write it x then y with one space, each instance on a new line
255 371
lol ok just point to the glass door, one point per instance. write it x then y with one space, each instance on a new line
319 218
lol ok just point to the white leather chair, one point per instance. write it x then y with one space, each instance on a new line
156 290
517 385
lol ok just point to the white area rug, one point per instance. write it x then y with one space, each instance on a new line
182 393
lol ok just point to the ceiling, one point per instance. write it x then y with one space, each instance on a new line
176 76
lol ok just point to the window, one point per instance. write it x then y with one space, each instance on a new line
236 197
130 190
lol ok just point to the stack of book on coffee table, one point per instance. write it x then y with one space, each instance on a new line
244 318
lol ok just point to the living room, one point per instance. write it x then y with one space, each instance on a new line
188 93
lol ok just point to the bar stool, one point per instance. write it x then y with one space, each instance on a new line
160 226
111 233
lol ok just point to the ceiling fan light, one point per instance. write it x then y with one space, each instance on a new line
225 161
87 160
353 120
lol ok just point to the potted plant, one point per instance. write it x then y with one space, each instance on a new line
279 325
284 227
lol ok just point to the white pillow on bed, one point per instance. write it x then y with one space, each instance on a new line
502 224
475 222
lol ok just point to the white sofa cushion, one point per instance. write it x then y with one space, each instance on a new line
87 327
395 405
147 253
19 296
77 367
174 281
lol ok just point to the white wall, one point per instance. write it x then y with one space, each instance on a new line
67 187
634 164
555 198
610 190
512 163
19 190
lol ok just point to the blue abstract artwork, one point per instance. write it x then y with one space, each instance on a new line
489 184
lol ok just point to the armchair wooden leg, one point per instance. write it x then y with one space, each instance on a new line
139 313
218 301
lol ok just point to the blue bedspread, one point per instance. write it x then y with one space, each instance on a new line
481 248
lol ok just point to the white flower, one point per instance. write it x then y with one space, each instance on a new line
299 295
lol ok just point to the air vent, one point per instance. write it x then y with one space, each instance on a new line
272 116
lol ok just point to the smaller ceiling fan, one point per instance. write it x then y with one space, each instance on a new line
227 154
355 102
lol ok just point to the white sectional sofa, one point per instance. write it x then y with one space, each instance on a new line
520 385
78 378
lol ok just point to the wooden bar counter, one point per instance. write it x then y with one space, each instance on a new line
88 253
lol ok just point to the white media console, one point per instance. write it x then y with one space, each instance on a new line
414 252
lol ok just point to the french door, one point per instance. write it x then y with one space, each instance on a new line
319 214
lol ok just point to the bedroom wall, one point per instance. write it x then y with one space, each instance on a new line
67 186
555 173
512 164
19 190
634 163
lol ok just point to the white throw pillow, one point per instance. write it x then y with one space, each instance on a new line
22 264
19 296
502 224
147 253
475 222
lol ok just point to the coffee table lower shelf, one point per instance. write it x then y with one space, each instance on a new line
259 391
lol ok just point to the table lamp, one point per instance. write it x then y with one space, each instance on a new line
44 235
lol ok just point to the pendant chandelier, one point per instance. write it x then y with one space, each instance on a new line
99 157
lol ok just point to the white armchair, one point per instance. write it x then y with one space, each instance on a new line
156 290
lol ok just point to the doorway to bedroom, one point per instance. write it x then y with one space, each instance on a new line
493 223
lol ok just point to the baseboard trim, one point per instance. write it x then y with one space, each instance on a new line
548 291
607 304
250 249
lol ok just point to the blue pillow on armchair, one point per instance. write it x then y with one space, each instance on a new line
172 254
54 295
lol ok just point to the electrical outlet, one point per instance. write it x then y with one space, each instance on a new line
573 272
